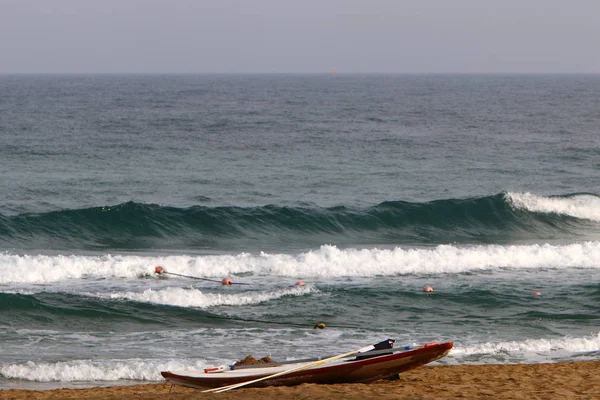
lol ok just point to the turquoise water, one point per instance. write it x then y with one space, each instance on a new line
365 187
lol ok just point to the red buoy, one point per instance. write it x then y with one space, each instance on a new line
299 283
159 270
226 281
428 289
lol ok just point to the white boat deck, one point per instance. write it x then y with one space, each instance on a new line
253 371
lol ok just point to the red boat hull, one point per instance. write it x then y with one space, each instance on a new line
366 370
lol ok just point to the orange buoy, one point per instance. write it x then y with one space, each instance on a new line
159 270
536 293
428 289
299 283
226 281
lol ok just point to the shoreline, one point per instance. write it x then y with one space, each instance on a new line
572 380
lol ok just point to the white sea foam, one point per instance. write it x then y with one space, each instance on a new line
47 269
529 351
196 298
89 370
580 206
326 262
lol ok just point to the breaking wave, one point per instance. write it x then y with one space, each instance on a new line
504 217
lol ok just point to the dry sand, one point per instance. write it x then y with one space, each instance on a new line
569 380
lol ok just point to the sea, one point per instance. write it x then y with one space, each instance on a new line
366 188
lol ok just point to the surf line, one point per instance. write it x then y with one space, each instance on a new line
226 281
319 325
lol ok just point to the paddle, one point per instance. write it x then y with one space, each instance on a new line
288 371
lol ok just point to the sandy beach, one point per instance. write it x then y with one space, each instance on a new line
568 380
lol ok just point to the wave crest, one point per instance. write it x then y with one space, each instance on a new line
505 217
326 262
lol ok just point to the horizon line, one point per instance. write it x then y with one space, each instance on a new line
294 73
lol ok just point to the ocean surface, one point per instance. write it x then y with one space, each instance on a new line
365 187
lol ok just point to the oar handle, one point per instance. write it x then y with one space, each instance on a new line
289 371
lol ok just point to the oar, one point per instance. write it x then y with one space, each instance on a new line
288 371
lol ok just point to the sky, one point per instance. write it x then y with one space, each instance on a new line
307 36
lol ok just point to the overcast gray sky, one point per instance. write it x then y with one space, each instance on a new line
389 36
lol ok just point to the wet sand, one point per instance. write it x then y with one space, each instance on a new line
569 380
